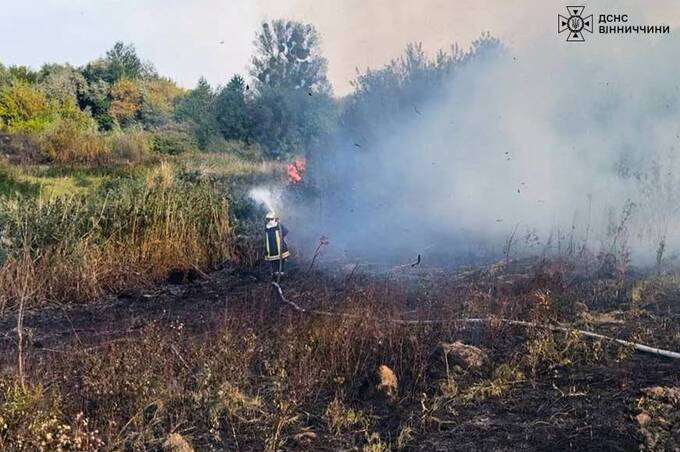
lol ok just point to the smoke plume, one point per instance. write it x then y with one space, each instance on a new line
556 147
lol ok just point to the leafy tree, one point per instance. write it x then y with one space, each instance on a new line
5 77
231 110
195 102
95 99
292 106
124 62
23 108
120 62
102 74
291 122
23 74
389 95
273 124
61 82
70 111
126 99
97 70
196 107
158 101
288 55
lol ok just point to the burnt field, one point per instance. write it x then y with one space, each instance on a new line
376 358
479 225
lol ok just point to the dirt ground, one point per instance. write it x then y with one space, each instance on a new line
589 406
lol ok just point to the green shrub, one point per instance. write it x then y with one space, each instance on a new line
173 140
24 108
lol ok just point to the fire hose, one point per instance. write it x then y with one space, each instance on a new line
639 347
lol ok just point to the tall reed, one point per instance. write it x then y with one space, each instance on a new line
127 235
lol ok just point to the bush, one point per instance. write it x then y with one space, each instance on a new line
132 146
23 108
67 141
173 140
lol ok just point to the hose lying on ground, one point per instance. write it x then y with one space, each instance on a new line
636 346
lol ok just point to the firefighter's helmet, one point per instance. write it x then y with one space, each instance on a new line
271 215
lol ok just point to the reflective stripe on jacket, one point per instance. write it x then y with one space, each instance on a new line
275 246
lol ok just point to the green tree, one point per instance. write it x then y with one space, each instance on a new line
195 102
382 98
5 77
124 62
23 74
158 101
196 107
102 74
231 110
97 70
120 62
292 106
288 56
61 82
69 110
24 108
95 99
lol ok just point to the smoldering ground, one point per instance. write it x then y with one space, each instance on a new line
561 147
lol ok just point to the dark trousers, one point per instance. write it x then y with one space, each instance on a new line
278 265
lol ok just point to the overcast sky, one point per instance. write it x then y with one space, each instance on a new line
183 38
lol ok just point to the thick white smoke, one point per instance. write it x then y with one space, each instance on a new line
557 143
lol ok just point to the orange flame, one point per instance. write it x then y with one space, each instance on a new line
296 170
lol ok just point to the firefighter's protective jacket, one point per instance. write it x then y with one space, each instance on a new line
275 247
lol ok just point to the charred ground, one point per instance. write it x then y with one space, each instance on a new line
221 361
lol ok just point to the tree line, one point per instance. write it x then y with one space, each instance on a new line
284 106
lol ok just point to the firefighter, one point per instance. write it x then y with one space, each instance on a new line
275 247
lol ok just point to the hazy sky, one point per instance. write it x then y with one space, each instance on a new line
183 37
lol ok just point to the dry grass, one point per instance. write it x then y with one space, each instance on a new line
265 378
82 247
229 165
68 142
659 418
341 418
